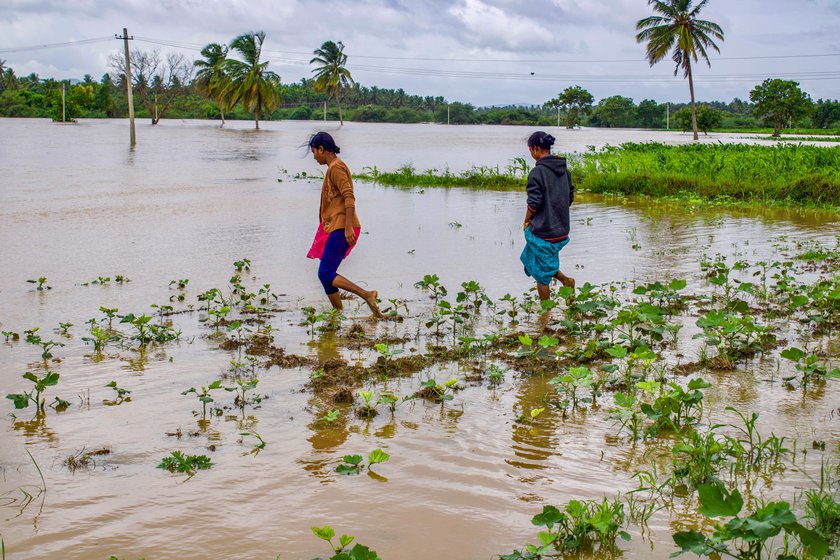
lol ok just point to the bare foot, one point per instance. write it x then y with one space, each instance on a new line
371 301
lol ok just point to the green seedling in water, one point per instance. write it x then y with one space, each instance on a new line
22 400
41 284
63 328
747 538
330 416
368 406
432 283
179 284
10 336
100 338
123 395
353 463
628 414
241 388
209 298
240 265
341 550
392 310
432 389
574 380
258 446
392 401
582 525
46 345
110 313
219 316
472 293
496 374
189 464
204 396
513 312
809 365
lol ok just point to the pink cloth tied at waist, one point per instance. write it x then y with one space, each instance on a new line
320 241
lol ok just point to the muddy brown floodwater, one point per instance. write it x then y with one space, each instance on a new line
464 479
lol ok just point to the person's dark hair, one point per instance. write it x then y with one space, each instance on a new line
324 140
541 140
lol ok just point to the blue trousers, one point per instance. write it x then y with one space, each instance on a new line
334 251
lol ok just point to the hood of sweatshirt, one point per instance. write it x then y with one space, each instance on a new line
556 164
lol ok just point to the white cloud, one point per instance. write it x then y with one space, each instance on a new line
496 29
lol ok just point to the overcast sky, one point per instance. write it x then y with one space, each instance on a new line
562 42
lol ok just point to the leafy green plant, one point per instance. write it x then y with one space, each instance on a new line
189 464
368 407
330 417
674 407
242 264
582 525
341 550
433 390
122 394
41 284
40 384
204 395
809 366
432 283
572 381
100 338
747 538
10 335
46 345
353 464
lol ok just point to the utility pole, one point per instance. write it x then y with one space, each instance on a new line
63 105
125 39
558 116
447 113
668 116
325 111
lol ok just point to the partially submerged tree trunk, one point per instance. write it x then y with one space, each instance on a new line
337 102
691 90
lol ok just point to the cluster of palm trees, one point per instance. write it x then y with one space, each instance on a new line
245 79
675 28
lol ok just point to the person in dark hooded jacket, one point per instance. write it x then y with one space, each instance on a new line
550 193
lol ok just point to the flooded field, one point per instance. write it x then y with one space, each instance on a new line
471 461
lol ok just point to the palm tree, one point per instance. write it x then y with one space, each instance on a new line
251 83
332 76
678 27
211 80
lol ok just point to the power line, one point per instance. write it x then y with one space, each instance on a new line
488 75
57 45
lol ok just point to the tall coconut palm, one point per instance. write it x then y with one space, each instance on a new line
211 79
677 26
332 76
251 83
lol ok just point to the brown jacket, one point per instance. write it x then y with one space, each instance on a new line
336 197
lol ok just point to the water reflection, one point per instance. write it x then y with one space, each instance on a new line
534 440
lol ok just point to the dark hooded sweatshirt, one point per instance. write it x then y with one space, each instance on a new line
550 193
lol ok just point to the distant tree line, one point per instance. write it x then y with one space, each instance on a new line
174 87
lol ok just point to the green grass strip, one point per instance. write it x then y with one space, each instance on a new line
783 174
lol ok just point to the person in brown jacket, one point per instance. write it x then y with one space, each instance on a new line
339 226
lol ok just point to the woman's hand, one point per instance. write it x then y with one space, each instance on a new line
350 236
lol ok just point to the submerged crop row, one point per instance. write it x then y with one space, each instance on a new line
789 174
615 350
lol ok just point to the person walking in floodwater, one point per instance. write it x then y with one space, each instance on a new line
550 193
339 228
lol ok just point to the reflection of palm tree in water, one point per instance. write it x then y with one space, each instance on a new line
534 442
